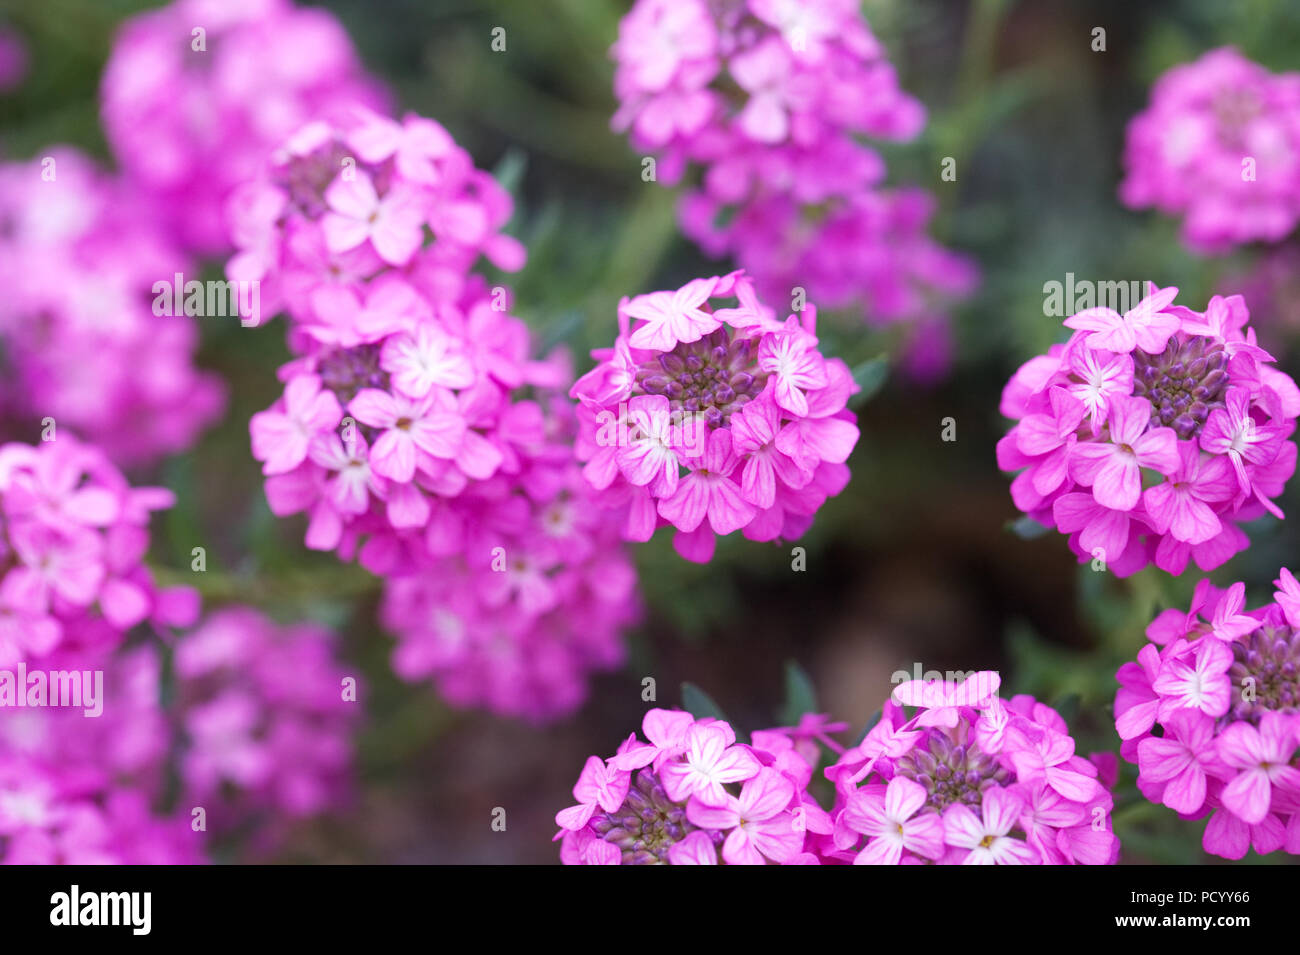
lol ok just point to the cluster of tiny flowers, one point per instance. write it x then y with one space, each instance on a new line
402 396
693 795
195 94
268 717
416 429
533 593
973 780
73 535
81 343
714 420
257 736
769 97
355 219
1210 713
1149 435
49 816
1220 146
80 787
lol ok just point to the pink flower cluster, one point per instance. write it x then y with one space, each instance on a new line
80 789
268 715
1220 146
536 597
402 396
258 737
973 780
1210 713
1148 436
73 535
770 97
356 219
693 795
714 420
196 93
50 816
81 342
417 430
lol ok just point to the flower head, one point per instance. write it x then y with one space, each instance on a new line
1211 716
1149 435
729 421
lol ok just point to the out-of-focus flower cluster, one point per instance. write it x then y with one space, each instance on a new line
968 779
73 536
1219 146
79 789
770 98
714 420
1148 436
79 337
535 596
267 715
257 736
971 779
1210 713
196 93
417 429
1272 286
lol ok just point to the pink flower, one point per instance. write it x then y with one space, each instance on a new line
1180 760
710 759
694 794
654 452
1182 504
761 826
792 360
709 491
1231 431
745 424
1216 727
1262 758
671 317
666 731
894 823
969 778
1185 154
1197 681
1145 326
281 438
597 786
417 145
769 103
426 359
1177 451
1114 469
393 224
985 838
1095 376
413 431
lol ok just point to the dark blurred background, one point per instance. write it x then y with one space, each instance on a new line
915 563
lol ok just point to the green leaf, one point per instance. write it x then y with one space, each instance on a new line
869 376
800 695
509 172
699 704
1068 707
